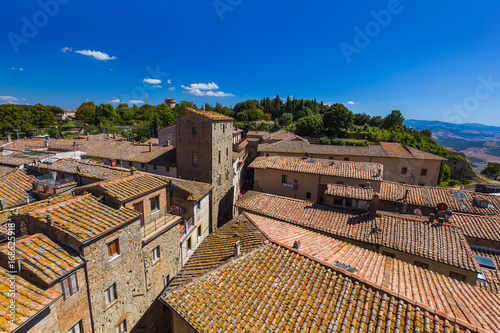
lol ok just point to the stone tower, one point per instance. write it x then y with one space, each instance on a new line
204 154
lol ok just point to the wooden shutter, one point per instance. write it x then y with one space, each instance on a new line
67 292
74 284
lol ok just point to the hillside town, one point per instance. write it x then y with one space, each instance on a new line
209 228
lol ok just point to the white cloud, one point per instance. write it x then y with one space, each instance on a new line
112 69
66 49
156 86
114 100
98 55
205 89
14 68
21 69
9 99
351 103
133 101
169 81
171 88
152 81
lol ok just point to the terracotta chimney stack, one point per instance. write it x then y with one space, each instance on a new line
133 170
237 248
374 205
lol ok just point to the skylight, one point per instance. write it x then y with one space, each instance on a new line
486 262
459 195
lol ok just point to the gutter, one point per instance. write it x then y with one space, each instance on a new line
89 301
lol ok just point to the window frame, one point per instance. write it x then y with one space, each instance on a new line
157 200
308 195
284 179
69 284
155 254
77 328
121 329
110 294
114 246
421 264
423 172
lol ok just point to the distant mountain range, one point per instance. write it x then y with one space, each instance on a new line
480 143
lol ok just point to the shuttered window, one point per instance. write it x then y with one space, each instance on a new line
70 286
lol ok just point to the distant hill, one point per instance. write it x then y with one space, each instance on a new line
480 143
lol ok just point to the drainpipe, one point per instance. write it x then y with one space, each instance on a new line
88 292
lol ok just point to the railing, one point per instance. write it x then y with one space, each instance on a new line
186 225
157 225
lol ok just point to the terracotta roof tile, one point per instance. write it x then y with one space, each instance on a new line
5 214
133 185
455 300
492 276
445 244
344 169
29 300
428 196
218 248
273 289
15 187
196 190
353 192
483 227
84 168
84 217
4 170
43 257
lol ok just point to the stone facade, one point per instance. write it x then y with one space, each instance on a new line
204 153
167 136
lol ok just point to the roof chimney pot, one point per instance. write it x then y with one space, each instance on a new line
133 170
237 248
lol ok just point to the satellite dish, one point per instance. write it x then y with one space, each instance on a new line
442 206
417 212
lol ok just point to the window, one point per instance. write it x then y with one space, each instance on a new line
166 280
110 294
457 276
404 171
154 166
193 130
284 179
423 172
168 169
486 262
224 128
154 204
194 158
348 202
219 180
129 163
219 156
199 231
346 158
308 195
421 264
113 249
156 253
77 328
388 254
337 201
122 327
70 286
189 244
227 151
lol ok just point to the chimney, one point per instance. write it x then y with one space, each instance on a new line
133 170
133 142
237 248
34 185
88 138
150 146
404 209
296 245
114 135
379 173
9 138
3 203
122 140
49 219
406 193
374 205
440 221
45 188
448 214
431 217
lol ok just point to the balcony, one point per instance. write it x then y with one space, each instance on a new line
186 226
157 226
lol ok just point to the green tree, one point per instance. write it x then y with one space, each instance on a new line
286 119
86 112
324 141
492 170
338 119
360 119
444 172
393 120
376 121
310 125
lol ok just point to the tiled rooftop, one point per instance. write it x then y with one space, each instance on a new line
17 159
43 257
5 214
196 190
483 227
428 196
84 217
29 300
84 168
133 185
6 170
344 169
384 149
492 276
273 289
455 300
209 114
218 248
445 244
346 191
15 187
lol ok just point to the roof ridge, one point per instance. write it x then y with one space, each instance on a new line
383 213
365 281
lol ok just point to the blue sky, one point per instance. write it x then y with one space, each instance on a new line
434 61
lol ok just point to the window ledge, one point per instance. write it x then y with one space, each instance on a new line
113 258
113 302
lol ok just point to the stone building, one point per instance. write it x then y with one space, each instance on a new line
204 154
